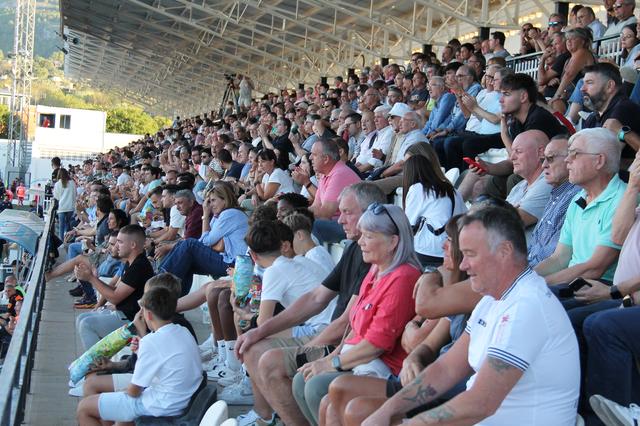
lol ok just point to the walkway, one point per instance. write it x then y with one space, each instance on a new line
48 403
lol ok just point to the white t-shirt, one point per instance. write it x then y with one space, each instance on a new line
490 103
176 220
529 329
436 211
66 196
532 199
281 177
288 279
170 369
321 256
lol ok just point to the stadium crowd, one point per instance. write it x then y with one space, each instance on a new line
486 245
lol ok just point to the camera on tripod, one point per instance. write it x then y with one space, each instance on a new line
230 77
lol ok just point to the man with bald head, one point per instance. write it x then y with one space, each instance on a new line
530 195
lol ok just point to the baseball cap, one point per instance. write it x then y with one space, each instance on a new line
399 109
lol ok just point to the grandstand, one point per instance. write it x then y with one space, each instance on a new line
347 191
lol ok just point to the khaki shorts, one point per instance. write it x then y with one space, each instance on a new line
296 354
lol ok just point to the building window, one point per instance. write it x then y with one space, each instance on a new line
65 122
47 120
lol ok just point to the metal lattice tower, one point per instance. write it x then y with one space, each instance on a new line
22 73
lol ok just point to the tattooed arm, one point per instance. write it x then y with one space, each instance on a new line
436 379
495 380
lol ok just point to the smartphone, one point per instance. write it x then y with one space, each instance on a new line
474 163
577 284
574 286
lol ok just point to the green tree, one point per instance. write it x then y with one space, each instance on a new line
130 119
4 122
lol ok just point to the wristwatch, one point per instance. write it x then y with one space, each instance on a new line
614 292
335 362
623 132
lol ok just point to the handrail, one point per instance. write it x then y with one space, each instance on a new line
606 47
16 372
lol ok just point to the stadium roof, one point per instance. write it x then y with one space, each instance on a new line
171 55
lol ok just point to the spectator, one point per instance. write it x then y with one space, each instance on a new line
224 226
303 245
585 248
444 103
387 244
273 369
586 18
93 326
623 11
429 201
502 385
530 195
325 158
612 109
166 375
64 191
546 233
496 43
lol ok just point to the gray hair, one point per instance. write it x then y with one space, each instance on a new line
436 79
603 141
394 223
502 224
185 193
417 118
366 193
329 148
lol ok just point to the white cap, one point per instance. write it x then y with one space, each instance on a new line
399 109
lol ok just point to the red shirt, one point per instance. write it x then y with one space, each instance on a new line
193 222
381 312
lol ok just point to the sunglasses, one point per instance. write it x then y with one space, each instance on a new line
378 209
554 24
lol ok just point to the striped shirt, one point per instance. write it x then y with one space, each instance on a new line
544 238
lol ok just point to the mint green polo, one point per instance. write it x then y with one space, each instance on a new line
584 229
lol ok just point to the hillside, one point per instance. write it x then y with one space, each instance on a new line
47 23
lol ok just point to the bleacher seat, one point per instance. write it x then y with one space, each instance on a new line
230 422
215 415
200 402
453 175
335 250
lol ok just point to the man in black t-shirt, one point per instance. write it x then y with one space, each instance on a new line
93 326
278 366
611 108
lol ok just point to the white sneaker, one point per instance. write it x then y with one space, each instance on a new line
214 363
73 385
207 349
238 394
228 377
253 419
614 414
76 391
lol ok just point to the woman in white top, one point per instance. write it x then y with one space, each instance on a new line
429 201
65 192
274 180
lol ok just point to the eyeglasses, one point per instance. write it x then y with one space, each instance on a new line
573 153
462 75
550 158
488 77
378 209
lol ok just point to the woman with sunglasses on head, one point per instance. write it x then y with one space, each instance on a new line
270 180
379 314
351 399
429 201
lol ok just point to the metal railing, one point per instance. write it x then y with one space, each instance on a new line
606 47
16 372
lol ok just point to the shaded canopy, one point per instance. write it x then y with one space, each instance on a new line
22 228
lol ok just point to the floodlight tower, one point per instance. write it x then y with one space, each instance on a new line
22 74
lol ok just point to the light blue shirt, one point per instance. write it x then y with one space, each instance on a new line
440 112
457 120
231 226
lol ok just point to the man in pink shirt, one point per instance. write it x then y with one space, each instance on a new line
336 176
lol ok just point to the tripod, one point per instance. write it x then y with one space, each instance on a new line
230 91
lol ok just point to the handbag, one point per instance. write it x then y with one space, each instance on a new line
417 227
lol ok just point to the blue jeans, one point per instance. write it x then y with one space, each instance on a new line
635 94
328 231
74 249
191 257
613 345
64 223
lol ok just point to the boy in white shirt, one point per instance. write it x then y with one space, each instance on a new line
166 376
303 244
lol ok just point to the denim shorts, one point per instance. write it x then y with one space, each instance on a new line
120 407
